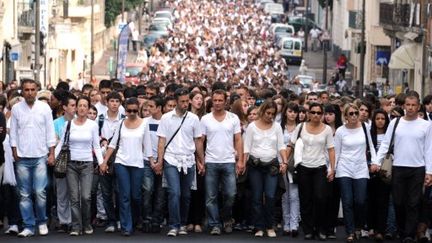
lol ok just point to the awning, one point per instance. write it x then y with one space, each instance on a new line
403 57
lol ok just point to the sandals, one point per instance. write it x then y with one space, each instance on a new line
350 238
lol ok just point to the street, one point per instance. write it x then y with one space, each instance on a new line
100 236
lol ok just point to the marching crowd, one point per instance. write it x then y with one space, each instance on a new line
211 140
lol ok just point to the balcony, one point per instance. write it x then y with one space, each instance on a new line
26 17
396 16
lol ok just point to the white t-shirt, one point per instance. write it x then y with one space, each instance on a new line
350 148
153 125
135 144
220 137
264 144
180 152
83 139
315 146
412 144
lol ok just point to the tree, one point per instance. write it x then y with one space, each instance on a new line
113 9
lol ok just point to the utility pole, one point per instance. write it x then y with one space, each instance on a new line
36 68
362 48
91 42
325 44
306 36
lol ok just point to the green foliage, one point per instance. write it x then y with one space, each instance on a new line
323 3
113 9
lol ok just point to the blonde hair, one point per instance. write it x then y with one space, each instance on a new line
347 107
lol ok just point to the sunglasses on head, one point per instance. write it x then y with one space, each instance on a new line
316 113
131 111
352 113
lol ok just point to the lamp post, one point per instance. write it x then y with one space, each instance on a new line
362 48
91 41
36 68
325 44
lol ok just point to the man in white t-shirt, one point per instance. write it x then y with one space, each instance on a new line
412 165
153 192
314 35
223 132
179 138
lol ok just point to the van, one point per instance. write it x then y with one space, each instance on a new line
291 49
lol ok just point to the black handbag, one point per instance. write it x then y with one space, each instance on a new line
113 156
60 166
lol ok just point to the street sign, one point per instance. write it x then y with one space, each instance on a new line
14 56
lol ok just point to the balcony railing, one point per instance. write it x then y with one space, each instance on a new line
395 14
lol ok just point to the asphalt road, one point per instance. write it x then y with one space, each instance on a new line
100 236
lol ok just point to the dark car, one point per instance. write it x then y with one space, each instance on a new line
299 22
150 39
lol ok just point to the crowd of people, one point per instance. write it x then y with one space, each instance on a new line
212 141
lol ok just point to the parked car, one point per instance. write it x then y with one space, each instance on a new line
159 28
165 13
299 22
291 49
163 21
132 72
281 30
149 40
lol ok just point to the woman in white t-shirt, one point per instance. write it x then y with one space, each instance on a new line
134 146
352 173
262 143
378 191
313 172
83 142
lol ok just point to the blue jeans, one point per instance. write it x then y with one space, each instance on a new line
79 183
129 180
262 182
153 196
217 173
353 195
32 180
179 191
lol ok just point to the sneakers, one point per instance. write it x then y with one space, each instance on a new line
12 230
63 228
183 230
43 229
259 233
228 227
26 233
110 229
172 232
88 230
271 233
74 233
215 231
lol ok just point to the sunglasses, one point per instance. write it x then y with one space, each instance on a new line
319 113
131 111
352 113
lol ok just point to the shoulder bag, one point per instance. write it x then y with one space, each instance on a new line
368 153
113 156
291 162
387 164
175 133
60 166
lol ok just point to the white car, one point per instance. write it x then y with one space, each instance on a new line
274 8
306 82
164 14
284 28
163 21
